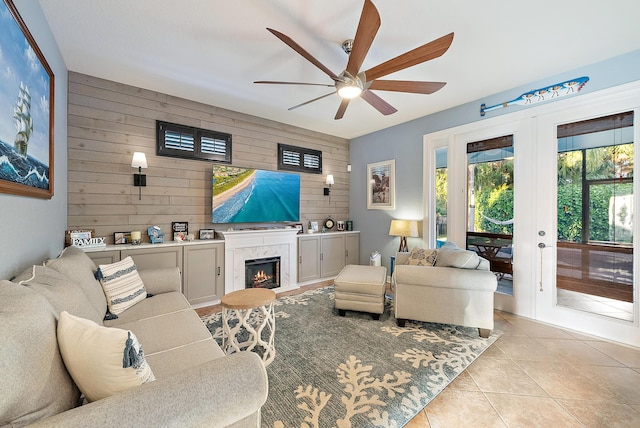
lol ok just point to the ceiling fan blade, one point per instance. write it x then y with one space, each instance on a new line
272 82
343 107
366 32
426 52
378 103
407 86
296 47
310 101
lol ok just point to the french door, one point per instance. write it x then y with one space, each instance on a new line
586 267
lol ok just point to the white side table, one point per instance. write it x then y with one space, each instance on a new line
240 305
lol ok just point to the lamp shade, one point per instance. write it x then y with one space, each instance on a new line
139 160
404 228
329 179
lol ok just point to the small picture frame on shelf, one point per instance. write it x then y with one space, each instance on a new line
298 227
207 233
120 238
313 227
180 230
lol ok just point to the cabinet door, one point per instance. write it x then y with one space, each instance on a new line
150 257
332 250
203 275
353 249
104 257
308 258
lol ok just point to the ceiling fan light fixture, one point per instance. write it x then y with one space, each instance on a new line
349 87
349 91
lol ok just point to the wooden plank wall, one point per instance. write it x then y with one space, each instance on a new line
108 121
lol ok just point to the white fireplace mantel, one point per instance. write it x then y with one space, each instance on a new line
241 245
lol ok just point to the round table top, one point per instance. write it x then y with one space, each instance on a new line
248 298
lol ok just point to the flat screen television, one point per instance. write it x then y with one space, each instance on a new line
246 195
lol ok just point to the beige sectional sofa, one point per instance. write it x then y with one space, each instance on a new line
458 289
195 383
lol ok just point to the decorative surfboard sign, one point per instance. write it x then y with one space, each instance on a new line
547 93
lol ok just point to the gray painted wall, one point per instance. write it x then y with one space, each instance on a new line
404 144
32 229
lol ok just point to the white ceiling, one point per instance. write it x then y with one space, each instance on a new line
212 50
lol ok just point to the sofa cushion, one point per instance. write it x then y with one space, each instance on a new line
168 330
34 381
422 257
74 263
61 292
452 256
121 284
102 361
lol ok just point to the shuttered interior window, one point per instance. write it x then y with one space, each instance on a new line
193 143
299 159
290 158
178 141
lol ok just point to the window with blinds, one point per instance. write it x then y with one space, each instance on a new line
299 159
193 143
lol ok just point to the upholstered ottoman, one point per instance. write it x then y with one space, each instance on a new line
361 288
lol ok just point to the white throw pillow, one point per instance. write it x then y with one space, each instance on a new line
122 285
422 257
102 361
457 258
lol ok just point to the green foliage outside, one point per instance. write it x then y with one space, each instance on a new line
493 183
441 192
602 163
441 203
496 204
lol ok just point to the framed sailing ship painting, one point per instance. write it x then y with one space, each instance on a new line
26 110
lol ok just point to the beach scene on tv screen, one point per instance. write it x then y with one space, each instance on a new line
246 195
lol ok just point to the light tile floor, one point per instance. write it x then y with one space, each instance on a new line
596 305
536 375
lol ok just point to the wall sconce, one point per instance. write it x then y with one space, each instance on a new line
327 190
404 228
139 180
349 168
329 182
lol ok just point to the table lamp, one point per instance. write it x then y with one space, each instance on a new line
403 228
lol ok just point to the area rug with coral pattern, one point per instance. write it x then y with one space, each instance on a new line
353 371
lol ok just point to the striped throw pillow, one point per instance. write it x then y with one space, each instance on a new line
122 285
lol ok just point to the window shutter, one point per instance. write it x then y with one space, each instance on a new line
192 143
299 159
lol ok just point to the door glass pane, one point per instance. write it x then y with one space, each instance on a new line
441 196
490 206
595 216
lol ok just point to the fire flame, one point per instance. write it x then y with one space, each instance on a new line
261 276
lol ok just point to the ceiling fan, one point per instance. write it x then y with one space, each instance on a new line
352 82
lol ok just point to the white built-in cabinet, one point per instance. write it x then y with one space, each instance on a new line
201 264
308 258
203 272
324 255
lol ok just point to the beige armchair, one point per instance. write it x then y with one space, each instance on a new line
458 290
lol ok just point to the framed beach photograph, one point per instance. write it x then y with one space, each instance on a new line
26 110
381 185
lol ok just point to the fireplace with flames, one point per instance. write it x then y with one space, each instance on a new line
262 273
